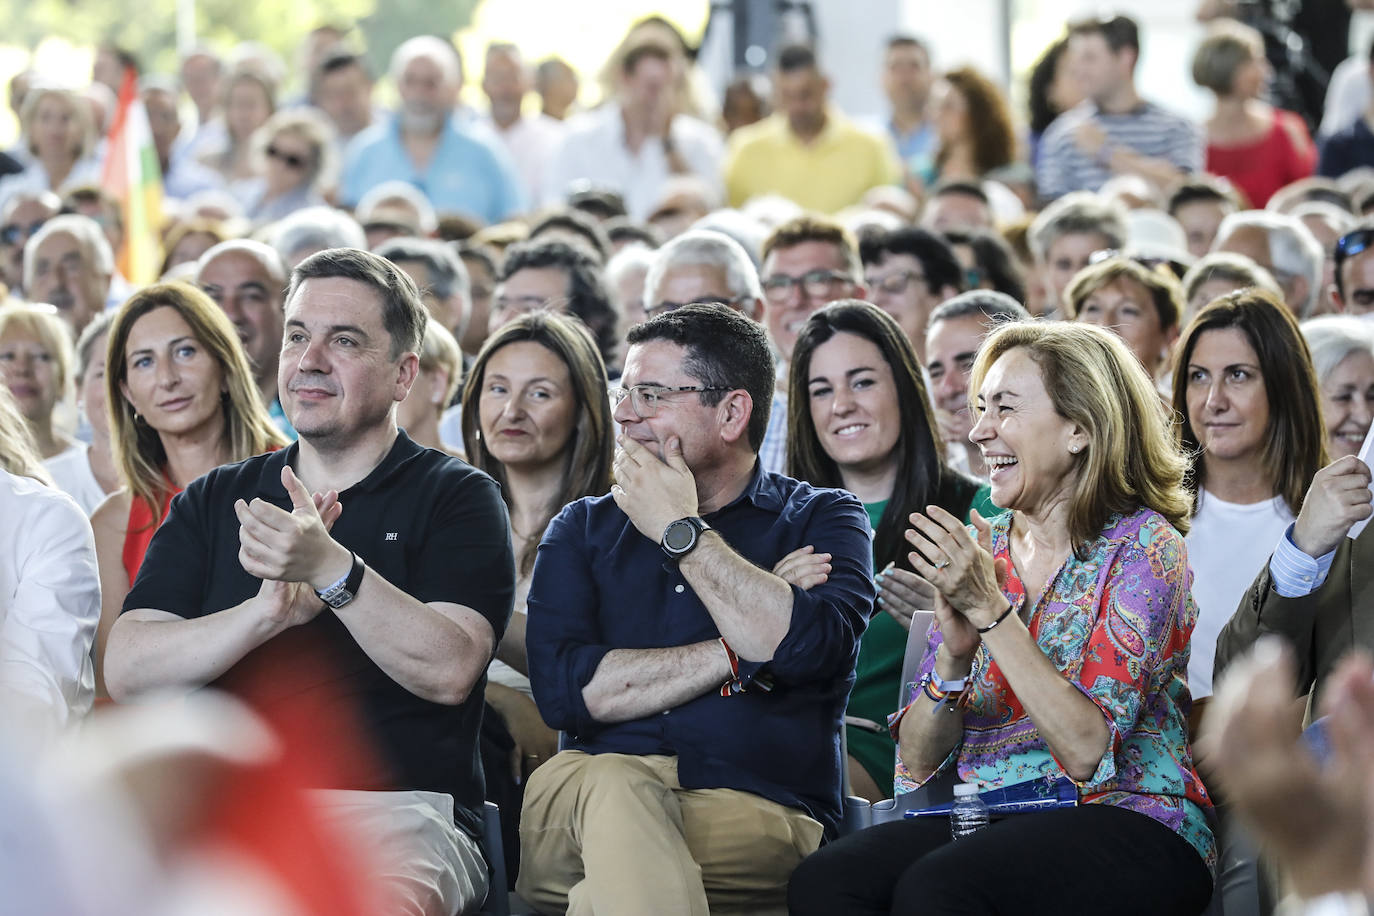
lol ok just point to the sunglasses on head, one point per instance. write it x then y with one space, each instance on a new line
16 234
1352 243
291 160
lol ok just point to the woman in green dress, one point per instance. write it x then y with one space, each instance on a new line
860 418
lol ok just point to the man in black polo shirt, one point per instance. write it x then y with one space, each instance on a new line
354 577
702 694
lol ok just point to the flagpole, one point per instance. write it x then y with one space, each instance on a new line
186 26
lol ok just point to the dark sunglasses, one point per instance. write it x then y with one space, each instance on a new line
290 159
15 234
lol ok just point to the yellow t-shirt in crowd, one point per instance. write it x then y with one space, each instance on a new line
828 174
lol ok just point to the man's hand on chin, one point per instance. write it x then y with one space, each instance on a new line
653 492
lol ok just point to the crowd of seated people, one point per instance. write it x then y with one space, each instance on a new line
617 456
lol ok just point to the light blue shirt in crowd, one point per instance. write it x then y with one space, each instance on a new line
469 173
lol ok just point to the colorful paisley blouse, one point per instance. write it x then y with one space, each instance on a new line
1117 625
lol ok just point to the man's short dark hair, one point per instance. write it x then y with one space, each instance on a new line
341 59
447 274
937 258
587 296
578 223
989 305
623 230
908 41
1119 32
1201 189
792 58
724 350
993 260
403 314
596 201
967 188
484 255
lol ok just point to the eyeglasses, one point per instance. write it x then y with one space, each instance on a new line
817 284
645 398
665 307
895 284
1348 245
291 160
15 234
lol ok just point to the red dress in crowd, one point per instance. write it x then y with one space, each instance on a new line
1282 156
140 530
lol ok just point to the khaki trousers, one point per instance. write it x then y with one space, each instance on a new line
612 834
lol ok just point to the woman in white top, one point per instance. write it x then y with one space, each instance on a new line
87 472
536 418
1343 355
60 129
36 358
1247 393
49 591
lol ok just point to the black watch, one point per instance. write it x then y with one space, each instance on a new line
336 596
680 537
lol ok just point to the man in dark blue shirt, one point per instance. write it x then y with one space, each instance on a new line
701 694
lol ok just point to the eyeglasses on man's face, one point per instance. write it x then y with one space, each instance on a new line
818 284
894 284
645 399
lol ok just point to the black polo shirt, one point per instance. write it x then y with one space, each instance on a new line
429 524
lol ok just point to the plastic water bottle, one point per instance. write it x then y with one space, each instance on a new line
968 813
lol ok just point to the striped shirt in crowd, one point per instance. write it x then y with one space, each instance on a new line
1148 130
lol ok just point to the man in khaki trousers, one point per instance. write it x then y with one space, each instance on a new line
700 694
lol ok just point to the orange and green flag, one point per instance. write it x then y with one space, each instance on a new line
132 175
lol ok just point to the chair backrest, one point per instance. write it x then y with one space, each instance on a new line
921 622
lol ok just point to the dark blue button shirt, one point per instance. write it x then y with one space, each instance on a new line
600 585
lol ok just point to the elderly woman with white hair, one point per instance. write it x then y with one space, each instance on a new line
59 127
1343 357
312 230
295 152
1282 245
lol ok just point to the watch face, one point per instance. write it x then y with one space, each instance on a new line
679 536
340 599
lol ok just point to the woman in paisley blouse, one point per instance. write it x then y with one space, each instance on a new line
1060 650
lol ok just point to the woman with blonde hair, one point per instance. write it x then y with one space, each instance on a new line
294 156
36 360
182 401
250 98
60 128
440 375
18 455
1059 655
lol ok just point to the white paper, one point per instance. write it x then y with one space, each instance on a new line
1367 456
